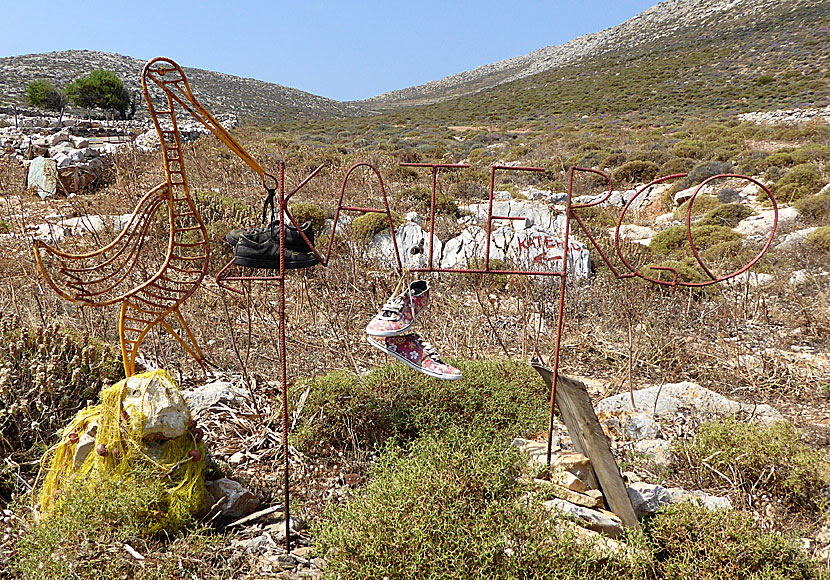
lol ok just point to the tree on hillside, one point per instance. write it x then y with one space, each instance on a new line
101 89
43 94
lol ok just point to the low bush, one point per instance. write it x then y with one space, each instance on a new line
84 537
368 225
800 181
702 172
727 215
759 459
347 410
703 204
46 376
637 171
677 165
451 509
814 206
690 541
819 240
422 196
303 212
673 241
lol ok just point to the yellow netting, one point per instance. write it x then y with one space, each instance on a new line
125 457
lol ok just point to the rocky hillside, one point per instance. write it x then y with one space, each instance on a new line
663 24
250 99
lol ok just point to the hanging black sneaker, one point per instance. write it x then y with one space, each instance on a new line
293 239
254 254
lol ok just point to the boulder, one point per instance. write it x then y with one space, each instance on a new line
648 498
239 502
536 213
666 402
710 502
43 177
793 240
158 400
203 398
413 246
597 520
760 225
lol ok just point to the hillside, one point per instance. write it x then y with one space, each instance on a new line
252 100
753 35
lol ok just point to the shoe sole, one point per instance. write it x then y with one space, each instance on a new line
408 362
231 241
270 265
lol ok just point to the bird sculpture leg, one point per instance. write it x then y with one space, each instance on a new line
136 322
192 348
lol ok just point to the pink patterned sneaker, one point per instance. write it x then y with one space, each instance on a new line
417 353
400 312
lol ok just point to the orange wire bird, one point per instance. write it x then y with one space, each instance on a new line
149 283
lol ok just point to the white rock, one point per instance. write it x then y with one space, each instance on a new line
710 502
43 177
597 520
413 246
793 240
203 398
754 279
686 397
156 397
648 498
761 224
632 232
239 501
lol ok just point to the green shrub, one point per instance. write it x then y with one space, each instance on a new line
687 270
422 196
811 152
688 148
760 459
451 509
690 541
819 240
615 159
368 225
674 242
346 410
46 376
703 204
778 159
637 171
5 227
677 165
814 206
726 215
303 212
83 537
800 181
702 172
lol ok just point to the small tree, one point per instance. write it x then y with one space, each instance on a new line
43 94
101 89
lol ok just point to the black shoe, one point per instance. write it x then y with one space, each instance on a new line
293 239
266 254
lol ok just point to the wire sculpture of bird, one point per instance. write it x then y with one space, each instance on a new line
149 280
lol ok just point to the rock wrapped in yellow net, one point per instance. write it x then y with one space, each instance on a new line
111 440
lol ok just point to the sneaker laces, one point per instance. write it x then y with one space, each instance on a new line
428 349
394 305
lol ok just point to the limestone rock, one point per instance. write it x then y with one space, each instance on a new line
760 225
86 443
203 398
159 401
43 177
239 501
686 397
597 520
413 246
648 498
590 498
569 481
710 502
793 240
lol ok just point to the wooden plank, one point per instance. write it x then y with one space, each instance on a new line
589 439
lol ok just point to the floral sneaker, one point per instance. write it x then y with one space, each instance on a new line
400 312
417 353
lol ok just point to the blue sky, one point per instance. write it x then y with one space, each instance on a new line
341 50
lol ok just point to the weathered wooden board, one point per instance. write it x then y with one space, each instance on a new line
589 439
